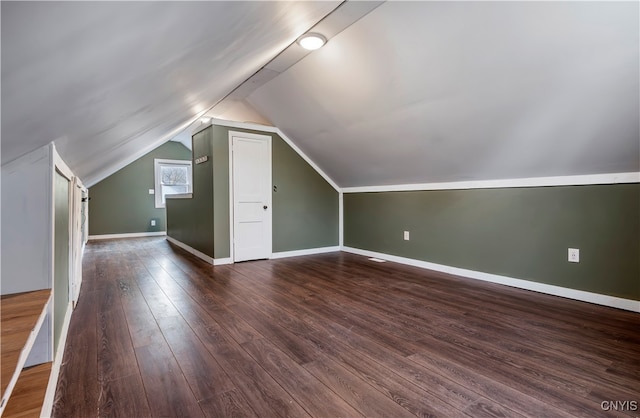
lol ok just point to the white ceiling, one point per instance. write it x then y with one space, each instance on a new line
414 92
109 81
420 92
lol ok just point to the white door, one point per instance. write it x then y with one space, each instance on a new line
251 191
77 238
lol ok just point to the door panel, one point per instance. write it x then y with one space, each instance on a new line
251 161
77 239
61 256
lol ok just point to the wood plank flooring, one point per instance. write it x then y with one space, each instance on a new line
158 332
19 313
28 395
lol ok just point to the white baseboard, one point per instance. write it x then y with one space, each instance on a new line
128 235
228 260
222 261
49 397
191 250
606 300
309 251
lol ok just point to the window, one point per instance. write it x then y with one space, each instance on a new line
172 177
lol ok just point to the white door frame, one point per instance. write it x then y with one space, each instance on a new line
61 167
231 197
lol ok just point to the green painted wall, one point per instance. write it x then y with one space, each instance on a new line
521 232
191 220
61 256
220 156
305 206
121 203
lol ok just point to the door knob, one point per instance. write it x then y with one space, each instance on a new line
265 207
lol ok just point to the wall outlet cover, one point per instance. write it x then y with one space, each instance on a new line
153 222
152 191
574 255
406 235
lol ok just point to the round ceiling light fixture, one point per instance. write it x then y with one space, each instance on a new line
312 41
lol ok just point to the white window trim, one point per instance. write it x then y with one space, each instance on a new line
157 162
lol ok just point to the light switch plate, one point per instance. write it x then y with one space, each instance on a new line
152 191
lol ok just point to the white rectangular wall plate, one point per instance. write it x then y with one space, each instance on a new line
574 255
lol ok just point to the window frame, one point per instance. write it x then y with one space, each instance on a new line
158 163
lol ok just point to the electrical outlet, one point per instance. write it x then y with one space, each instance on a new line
152 191
153 222
406 235
574 255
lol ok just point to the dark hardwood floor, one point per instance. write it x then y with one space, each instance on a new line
158 332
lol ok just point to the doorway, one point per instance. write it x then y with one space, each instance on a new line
250 196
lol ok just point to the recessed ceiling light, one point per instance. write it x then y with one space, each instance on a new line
312 41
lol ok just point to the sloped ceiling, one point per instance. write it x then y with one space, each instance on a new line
109 81
414 92
420 92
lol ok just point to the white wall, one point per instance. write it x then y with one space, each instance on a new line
26 223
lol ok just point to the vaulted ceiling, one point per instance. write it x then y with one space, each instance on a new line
413 92
108 80
421 92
